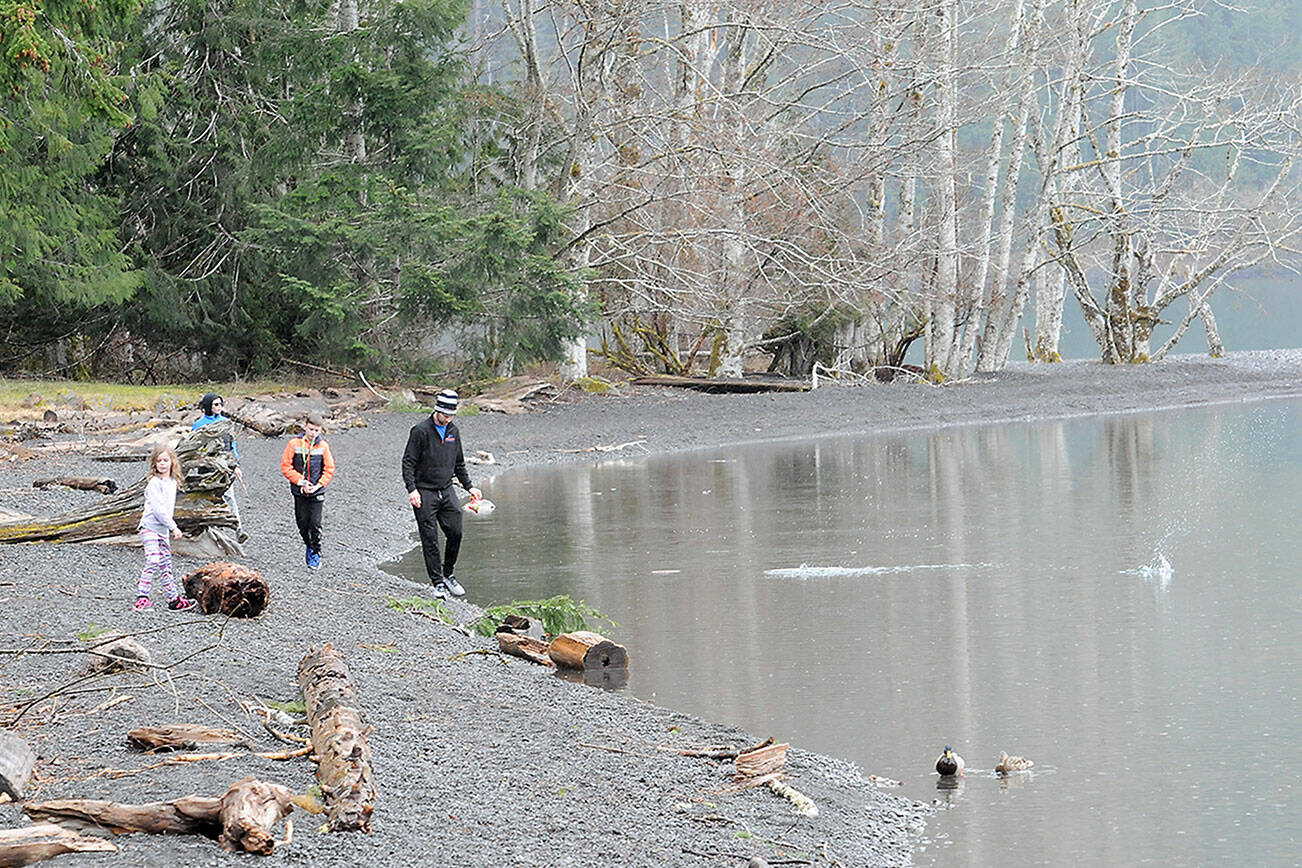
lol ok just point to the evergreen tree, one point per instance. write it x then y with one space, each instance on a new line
61 261
299 184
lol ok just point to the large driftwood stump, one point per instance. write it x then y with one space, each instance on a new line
231 589
45 841
181 736
240 819
586 650
339 740
16 761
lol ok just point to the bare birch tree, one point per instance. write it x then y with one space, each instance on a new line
791 177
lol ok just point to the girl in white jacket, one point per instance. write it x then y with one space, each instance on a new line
156 523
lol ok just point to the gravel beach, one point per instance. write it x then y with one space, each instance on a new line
481 760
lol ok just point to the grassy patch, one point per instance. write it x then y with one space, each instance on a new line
295 707
423 606
125 396
91 632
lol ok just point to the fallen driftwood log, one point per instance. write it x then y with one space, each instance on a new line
526 647
181 736
231 589
339 738
16 761
45 841
762 765
585 650
102 484
762 759
261 418
241 819
512 397
720 386
209 469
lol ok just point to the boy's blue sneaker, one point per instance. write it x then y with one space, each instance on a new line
313 559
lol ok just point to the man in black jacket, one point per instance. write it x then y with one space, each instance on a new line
432 458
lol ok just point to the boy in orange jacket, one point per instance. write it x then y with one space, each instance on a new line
309 467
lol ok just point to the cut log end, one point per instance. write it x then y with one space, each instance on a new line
585 650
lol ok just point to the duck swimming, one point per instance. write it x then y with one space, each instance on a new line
1008 763
949 763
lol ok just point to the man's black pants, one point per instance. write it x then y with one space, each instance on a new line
439 510
307 515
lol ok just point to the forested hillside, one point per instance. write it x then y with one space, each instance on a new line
212 188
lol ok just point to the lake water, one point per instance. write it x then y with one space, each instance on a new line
1116 598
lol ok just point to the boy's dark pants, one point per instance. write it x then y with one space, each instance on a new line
307 515
439 510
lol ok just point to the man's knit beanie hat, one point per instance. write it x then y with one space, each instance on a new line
446 402
205 403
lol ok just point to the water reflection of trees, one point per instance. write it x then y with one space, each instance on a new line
1050 648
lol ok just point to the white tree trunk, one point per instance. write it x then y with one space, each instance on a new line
943 336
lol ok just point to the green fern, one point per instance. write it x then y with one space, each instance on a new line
558 614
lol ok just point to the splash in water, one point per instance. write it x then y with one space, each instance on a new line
1158 569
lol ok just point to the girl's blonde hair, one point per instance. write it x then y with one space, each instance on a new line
175 472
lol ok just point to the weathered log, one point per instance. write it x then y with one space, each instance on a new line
339 738
189 815
240 819
583 649
45 841
231 589
762 759
527 647
102 484
721 386
261 418
16 761
209 469
181 736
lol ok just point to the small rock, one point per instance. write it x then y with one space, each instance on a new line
168 403
50 416
127 651
69 398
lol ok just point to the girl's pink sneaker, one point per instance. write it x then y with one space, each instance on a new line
142 604
181 604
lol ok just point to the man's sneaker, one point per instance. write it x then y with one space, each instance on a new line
313 559
440 590
180 604
142 604
454 587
